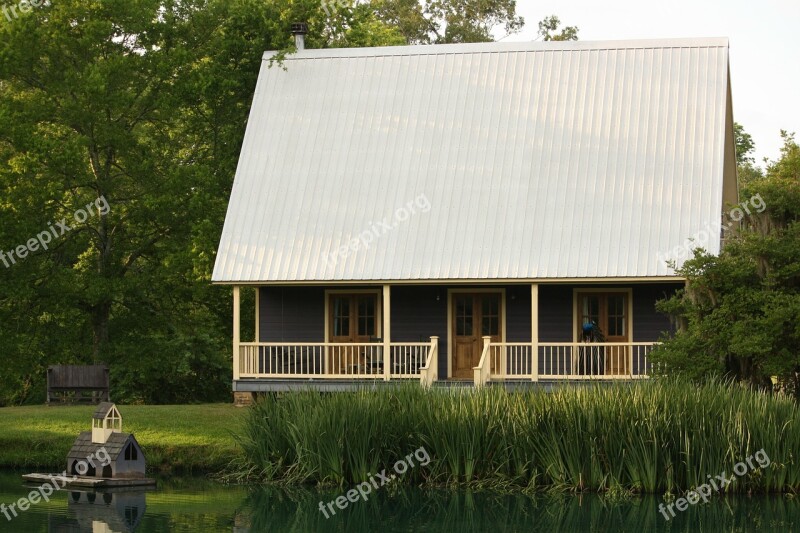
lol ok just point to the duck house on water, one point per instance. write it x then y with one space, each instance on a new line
104 456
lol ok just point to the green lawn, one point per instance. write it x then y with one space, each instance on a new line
175 438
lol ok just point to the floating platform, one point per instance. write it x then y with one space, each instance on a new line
89 482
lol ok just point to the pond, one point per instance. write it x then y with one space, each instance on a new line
197 505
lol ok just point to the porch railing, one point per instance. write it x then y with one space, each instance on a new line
430 372
567 360
330 360
500 361
482 372
408 358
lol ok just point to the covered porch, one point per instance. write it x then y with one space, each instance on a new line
339 337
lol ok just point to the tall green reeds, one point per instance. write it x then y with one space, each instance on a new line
653 436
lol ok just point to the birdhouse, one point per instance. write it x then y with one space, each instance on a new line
106 452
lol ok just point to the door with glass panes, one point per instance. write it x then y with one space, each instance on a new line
475 315
608 311
354 319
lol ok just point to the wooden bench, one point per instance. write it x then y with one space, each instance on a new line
76 383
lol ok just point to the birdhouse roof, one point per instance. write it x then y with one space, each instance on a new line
102 410
83 446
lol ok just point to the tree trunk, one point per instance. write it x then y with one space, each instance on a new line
100 314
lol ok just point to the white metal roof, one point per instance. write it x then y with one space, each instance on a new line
537 160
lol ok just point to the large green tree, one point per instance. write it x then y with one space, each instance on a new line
740 311
90 102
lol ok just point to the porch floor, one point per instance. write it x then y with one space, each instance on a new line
329 385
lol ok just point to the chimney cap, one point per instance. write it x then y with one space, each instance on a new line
299 28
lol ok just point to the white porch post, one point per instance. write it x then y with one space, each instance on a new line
435 362
387 332
236 330
534 332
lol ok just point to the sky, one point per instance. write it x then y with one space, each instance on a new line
764 48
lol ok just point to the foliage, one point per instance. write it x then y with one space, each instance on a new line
449 21
747 169
549 26
657 436
91 100
740 311
744 145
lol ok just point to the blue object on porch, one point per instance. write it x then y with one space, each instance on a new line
591 359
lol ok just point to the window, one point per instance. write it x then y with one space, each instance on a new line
341 316
366 316
616 315
464 315
490 314
607 312
353 317
130 453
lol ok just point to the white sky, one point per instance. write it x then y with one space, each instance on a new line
764 47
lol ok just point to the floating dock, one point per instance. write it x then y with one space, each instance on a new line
89 482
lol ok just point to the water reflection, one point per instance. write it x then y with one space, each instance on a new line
197 505
462 511
101 512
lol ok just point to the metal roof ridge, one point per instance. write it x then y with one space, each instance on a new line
496 47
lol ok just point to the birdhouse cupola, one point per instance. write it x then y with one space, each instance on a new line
105 421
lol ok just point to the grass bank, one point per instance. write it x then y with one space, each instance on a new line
176 439
657 436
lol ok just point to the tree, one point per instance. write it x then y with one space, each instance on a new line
746 168
549 26
88 97
740 311
744 145
449 21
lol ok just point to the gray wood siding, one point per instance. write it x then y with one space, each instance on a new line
555 313
518 313
648 324
292 314
417 315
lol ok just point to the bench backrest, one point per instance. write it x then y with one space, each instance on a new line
77 377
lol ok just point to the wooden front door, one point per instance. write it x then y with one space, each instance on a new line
353 319
474 315
609 311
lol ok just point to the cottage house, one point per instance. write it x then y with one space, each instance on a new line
106 443
490 212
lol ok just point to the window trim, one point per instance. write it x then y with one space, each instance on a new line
451 318
628 291
378 308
